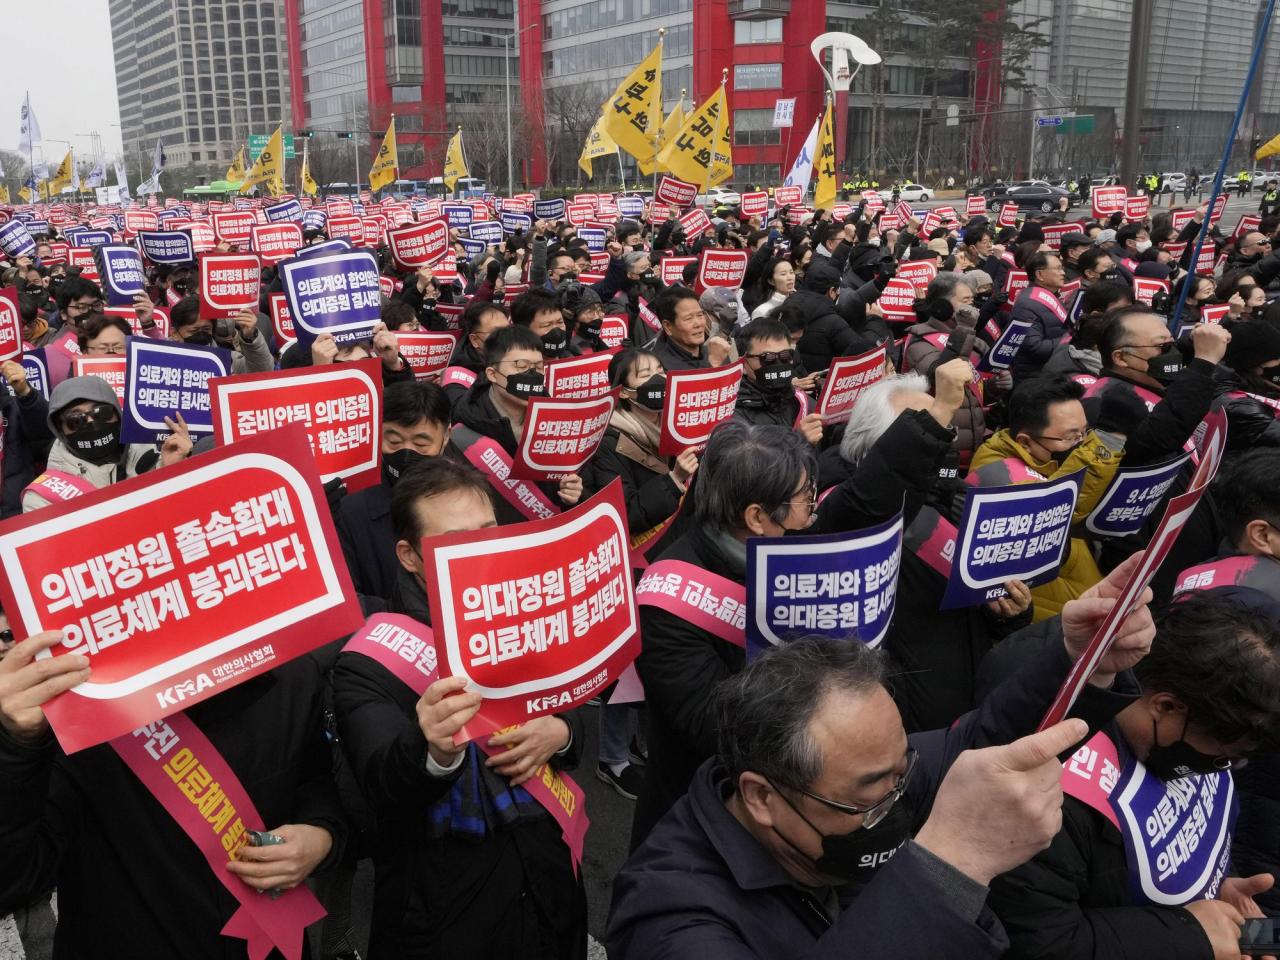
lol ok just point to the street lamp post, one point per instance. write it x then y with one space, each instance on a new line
506 39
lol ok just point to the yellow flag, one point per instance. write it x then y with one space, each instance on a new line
702 151
634 112
1268 149
309 186
4 193
672 125
455 162
268 169
824 165
61 178
598 145
386 164
26 195
235 172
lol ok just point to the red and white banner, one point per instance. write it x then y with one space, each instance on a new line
919 273
1180 218
579 214
898 299
975 206
1008 215
675 192
340 405
697 402
538 617
613 330
135 221
233 227
579 378
1108 200
846 379
180 583
202 237
110 369
1015 281
671 270
345 228
1146 288
281 321
695 222
1054 232
560 436
931 222
1248 222
754 204
10 324
426 352
229 283
274 242
1214 312
1137 208
1219 207
787 196
721 268
419 244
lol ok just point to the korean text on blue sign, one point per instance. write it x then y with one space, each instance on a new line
1133 496
16 240
593 237
842 586
84 237
167 246
162 378
314 220
283 211
631 207
1006 346
487 231
123 276
325 248
337 294
1020 532
549 209
36 366
511 222
458 214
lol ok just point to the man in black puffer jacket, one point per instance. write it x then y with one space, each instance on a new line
828 331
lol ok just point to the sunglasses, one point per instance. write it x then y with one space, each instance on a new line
99 413
774 356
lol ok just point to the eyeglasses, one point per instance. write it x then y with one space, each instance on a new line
774 356
873 814
105 349
524 366
1075 436
1162 346
810 497
99 413
79 308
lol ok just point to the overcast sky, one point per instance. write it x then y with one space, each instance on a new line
61 51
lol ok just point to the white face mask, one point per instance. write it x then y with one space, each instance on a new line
1143 246
873 242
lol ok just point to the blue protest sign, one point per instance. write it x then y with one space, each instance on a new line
472 247
283 211
16 240
1132 497
458 214
325 248
36 366
162 377
511 222
549 209
81 237
122 273
37 227
1020 532
842 586
338 294
167 246
1005 348
314 220
171 214
486 231
593 237
357 209
631 207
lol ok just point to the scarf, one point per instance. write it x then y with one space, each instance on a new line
638 439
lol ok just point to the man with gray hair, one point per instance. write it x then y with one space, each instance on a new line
821 829
896 455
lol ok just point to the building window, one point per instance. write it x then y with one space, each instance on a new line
757 76
754 128
757 31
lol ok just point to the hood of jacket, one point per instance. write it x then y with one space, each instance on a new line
73 390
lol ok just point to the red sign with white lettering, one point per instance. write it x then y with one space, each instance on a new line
846 379
418 244
274 242
560 436
721 268
579 378
697 402
234 226
1108 200
10 324
229 283
426 352
675 192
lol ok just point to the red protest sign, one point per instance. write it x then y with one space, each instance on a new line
873 200
754 204
229 283
135 221
427 353
787 196
1180 218
281 321
898 300
1146 288
675 192
613 330
1214 312
918 273
202 236
274 242
560 436
721 268
1008 215
1219 206
1207 262
672 268
418 244
10 324
1137 208
233 226
579 214
340 405
932 220
1108 200
846 379
1248 222
694 222
540 616
579 378
1015 281
975 206
110 369
697 402
1054 232
345 228
179 583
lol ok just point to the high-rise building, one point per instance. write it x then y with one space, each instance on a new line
201 75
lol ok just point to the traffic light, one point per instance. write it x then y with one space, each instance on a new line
345 135
304 133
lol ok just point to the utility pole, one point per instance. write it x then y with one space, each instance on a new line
1135 91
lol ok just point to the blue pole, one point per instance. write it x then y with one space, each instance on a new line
1258 44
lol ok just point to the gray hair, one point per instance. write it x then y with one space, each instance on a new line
944 285
750 463
632 257
763 713
978 279
873 414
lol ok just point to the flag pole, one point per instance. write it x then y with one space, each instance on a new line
715 142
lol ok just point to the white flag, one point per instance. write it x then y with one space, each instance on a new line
97 176
2 173
29 131
40 172
122 178
157 160
75 176
150 185
802 169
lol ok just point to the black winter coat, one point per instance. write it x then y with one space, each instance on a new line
363 522
1249 423
650 494
827 334
26 442
763 409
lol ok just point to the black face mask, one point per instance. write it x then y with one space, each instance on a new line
775 378
1110 275
652 392
98 443
1060 456
395 464
1179 759
200 338
554 340
857 855
526 385
1166 366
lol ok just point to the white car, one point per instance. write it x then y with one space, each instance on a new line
720 197
910 192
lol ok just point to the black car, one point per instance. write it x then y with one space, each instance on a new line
1044 199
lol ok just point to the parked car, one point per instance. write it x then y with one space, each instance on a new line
720 197
1174 181
910 192
1045 198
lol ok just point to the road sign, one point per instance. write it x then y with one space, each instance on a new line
258 143
784 112
1048 121
953 115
